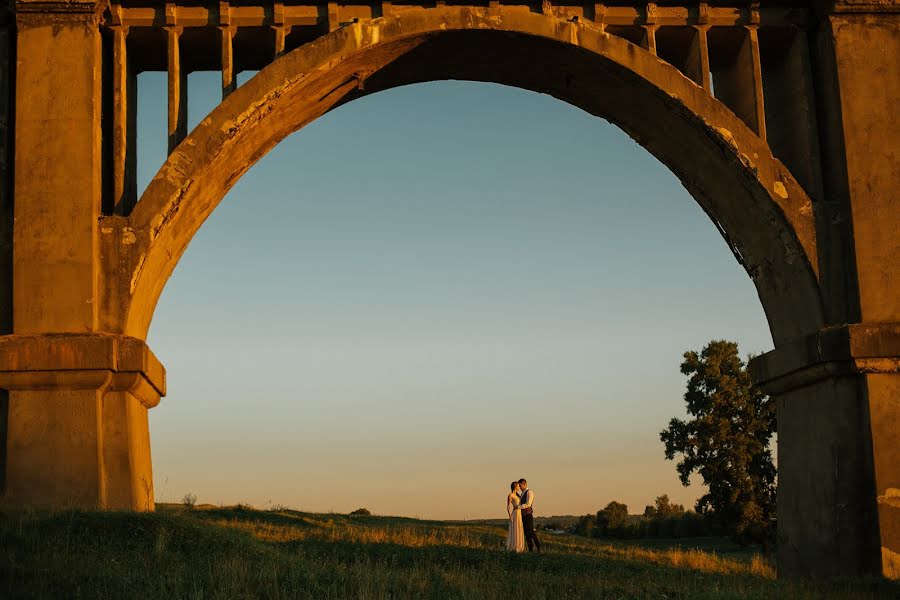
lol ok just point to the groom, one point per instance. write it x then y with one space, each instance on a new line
528 517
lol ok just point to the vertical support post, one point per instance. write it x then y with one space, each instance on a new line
758 122
177 89
280 35
650 36
7 91
229 78
650 27
861 175
685 48
703 52
703 77
124 124
279 27
53 441
737 74
600 16
883 391
790 106
57 173
332 8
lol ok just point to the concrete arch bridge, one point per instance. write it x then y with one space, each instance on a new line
779 117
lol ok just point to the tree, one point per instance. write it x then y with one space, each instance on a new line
663 509
727 438
612 520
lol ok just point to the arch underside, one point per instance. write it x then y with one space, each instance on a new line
764 215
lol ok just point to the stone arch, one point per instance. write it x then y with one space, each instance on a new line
763 213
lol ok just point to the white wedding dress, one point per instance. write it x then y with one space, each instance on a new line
515 541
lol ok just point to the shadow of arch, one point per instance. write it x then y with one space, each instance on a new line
761 211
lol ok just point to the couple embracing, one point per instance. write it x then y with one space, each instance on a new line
519 505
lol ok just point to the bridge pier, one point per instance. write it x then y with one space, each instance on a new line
838 421
838 390
78 431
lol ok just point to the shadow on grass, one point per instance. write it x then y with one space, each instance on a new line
282 518
181 553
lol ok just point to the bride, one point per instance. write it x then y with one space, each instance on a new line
515 541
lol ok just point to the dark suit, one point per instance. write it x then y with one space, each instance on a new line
528 521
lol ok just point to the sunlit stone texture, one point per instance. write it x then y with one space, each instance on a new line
779 117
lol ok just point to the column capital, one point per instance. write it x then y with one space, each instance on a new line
103 361
834 351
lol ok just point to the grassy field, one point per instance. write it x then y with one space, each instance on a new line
211 552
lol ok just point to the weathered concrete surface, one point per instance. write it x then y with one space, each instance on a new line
865 178
821 257
825 505
883 391
78 430
725 166
866 49
838 421
57 176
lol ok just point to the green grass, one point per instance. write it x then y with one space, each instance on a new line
241 553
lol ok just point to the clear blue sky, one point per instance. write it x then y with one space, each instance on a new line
430 292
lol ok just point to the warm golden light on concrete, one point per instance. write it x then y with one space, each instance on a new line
796 165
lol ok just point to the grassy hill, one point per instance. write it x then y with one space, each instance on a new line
243 553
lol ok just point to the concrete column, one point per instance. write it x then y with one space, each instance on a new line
280 32
651 38
737 77
883 390
790 105
177 89
703 53
7 118
758 118
685 48
332 14
278 27
7 94
57 174
229 77
862 160
124 124
857 85
78 432
838 426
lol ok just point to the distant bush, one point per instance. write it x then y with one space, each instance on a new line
189 500
361 512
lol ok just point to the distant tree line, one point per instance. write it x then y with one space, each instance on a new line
661 520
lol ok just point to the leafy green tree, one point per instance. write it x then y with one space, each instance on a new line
726 439
663 509
613 519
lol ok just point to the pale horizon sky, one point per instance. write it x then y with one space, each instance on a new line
428 293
